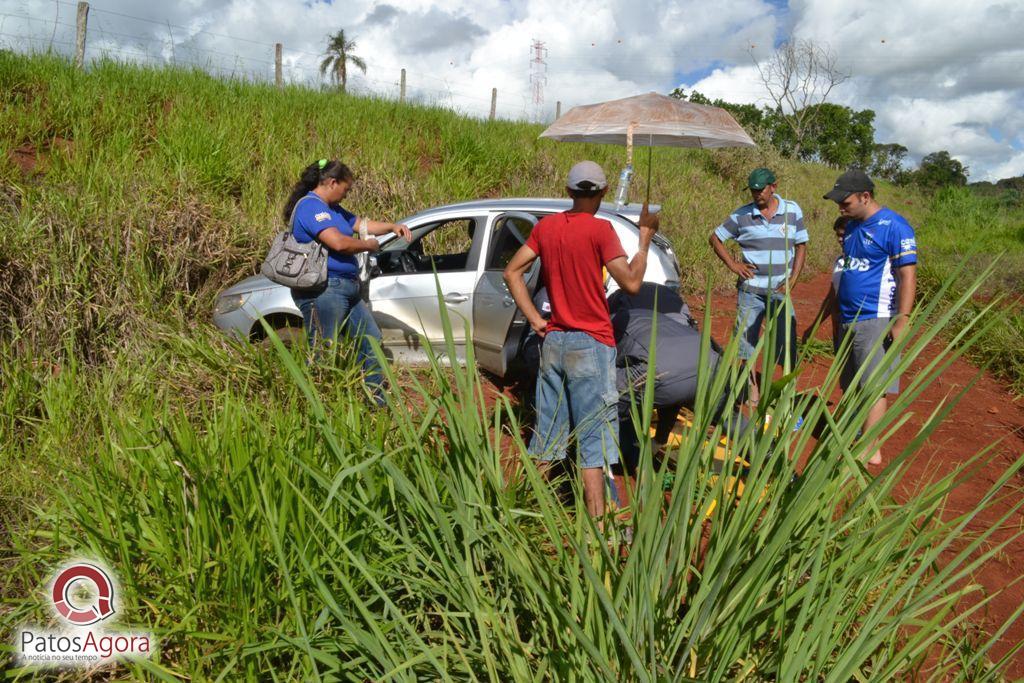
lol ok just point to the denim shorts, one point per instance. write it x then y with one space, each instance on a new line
576 393
751 310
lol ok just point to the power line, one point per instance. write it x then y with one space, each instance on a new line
41 20
193 33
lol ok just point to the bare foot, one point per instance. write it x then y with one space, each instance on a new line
876 459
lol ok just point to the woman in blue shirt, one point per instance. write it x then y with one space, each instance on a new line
314 213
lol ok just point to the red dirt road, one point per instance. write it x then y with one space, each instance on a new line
988 413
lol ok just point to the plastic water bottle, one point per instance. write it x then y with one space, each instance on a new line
622 192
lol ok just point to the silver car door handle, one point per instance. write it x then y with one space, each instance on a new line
455 298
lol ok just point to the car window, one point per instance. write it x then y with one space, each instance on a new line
509 233
448 238
443 246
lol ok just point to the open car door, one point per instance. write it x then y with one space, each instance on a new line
498 325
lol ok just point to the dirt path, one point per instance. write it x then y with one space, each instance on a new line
988 413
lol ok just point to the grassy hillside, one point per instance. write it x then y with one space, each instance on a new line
152 188
263 520
131 195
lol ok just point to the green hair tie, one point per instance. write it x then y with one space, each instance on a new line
322 164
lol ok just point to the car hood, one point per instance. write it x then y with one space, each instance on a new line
249 284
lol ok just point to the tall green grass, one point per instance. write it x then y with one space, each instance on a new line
265 523
283 529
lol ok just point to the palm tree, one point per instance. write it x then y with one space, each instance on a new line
339 53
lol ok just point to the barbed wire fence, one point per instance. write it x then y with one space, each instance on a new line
87 34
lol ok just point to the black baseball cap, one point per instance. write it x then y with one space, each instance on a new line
854 180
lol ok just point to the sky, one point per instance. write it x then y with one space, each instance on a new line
939 75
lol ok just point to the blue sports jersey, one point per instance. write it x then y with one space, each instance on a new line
872 249
768 245
313 216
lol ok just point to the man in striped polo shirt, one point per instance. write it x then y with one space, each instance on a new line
773 243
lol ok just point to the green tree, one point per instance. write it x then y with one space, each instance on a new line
887 162
837 136
336 59
749 116
939 169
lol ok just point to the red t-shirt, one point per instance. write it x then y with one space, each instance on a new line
572 248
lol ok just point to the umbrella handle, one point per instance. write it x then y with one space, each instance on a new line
629 143
650 150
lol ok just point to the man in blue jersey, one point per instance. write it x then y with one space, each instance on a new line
877 287
773 243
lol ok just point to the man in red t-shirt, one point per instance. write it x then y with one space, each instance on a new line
576 380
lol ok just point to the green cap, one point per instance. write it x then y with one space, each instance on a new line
759 178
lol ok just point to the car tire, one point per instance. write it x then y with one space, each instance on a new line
289 336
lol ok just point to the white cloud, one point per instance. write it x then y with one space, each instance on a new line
938 75
739 84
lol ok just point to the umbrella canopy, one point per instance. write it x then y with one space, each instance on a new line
650 120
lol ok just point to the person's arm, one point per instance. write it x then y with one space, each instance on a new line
335 241
383 228
836 318
825 311
906 289
798 264
514 276
630 274
744 270
667 416
800 238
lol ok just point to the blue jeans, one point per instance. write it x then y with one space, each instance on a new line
751 310
576 389
339 309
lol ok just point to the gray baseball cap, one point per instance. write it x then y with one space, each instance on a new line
586 175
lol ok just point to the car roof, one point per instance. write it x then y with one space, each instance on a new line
629 211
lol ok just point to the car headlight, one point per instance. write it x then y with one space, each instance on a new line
228 303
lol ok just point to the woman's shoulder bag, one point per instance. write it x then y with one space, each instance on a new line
295 264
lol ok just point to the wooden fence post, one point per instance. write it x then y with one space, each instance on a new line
401 90
278 77
83 17
494 102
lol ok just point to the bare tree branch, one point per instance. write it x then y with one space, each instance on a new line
799 75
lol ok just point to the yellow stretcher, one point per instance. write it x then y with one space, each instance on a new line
735 484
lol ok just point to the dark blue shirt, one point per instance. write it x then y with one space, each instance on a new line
312 216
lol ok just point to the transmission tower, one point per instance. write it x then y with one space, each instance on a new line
538 77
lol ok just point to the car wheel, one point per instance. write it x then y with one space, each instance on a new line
289 336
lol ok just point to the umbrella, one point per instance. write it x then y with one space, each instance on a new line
653 120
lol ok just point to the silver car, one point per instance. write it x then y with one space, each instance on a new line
468 246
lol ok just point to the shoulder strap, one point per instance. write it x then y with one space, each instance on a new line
291 219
